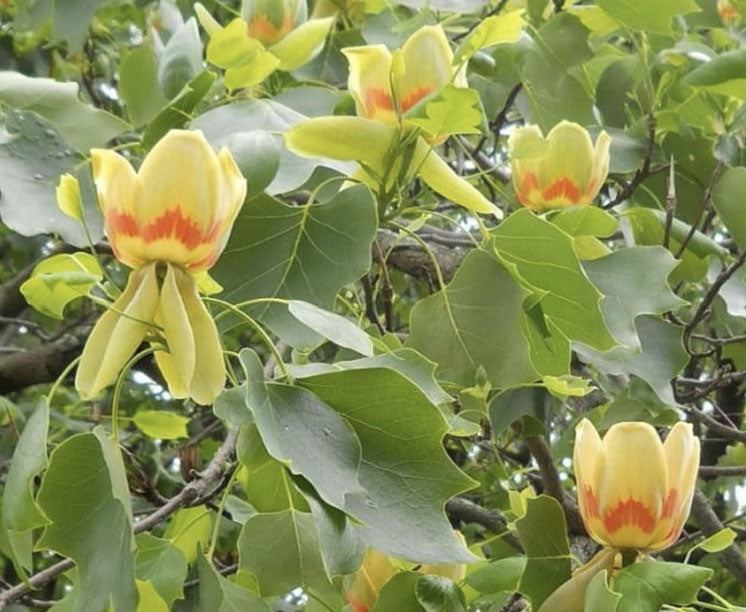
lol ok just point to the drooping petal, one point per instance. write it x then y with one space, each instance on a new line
118 333
439 176
118 188
682 456
632 485
588 464
302 44
177 361
369 82
426 66
208 379
570 596
362 587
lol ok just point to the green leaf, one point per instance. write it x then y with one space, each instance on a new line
723 74
306 435
585 221
58 280
258 156
228 125
33 155
501 576
20 513
161 424
438 594
634 282
727 199
598 596
138 84
543 533
79 124
402 512
648 16
282 550
314 251
331 326
567 386
189 529
161 564
178 111
717 541
231 406
647 586
399 594
84 494
218 594
512 404
545 261
496 29
148 598
302 44
181 59
453 326
454 110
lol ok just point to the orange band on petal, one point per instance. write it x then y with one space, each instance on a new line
629 512
528 184
562 188
669 506
377 99
267 32
414 97
591 503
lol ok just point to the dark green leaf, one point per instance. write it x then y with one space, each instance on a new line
438 594
647 586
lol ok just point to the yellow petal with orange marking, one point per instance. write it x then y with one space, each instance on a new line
118 333
369 82
361 588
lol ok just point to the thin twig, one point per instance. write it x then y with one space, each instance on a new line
387 291
670 203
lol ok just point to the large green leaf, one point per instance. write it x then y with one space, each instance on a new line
473 322
20 513
181 59
305 434
406 484
544 258
84 494
503 575
648 16
724 74
439 594
543 533
225 125
727 199
634 282
660 358
647 586
598 596
81 125
159 562
299 252
399 594
218 594
138 84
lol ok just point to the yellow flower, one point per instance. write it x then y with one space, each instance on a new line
634 491
729 12
361 588
269 21
563 169
169 221
386 86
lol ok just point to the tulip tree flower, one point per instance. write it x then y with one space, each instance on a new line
634 491
390 137
564 169
270 35
361 588
729 13
169 221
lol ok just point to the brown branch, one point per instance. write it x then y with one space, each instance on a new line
713 471
41 364
732 558
461 509
191 492
716 427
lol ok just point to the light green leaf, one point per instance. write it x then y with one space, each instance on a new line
496 29
453 326
727 199
545 261
567 386
585 221
648 16
282 550
717 541
81 125
68 197
302 44
138 84
300 252
20 513
598 596
58 280
161 564
723 74
149 599
306 435
647 586
660 358
262 64
218 594
189 529
500 576
634 282
402 512
81 496
454 110
331 326
161 424
543 533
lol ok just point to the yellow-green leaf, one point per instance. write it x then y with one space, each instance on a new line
161 424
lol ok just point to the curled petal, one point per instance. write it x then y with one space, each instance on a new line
118 333
369 82
302 44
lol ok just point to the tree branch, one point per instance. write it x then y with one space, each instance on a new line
461 509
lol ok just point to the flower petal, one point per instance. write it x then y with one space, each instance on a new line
270 20
118 333
587 462
369 82
302 44
177 361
